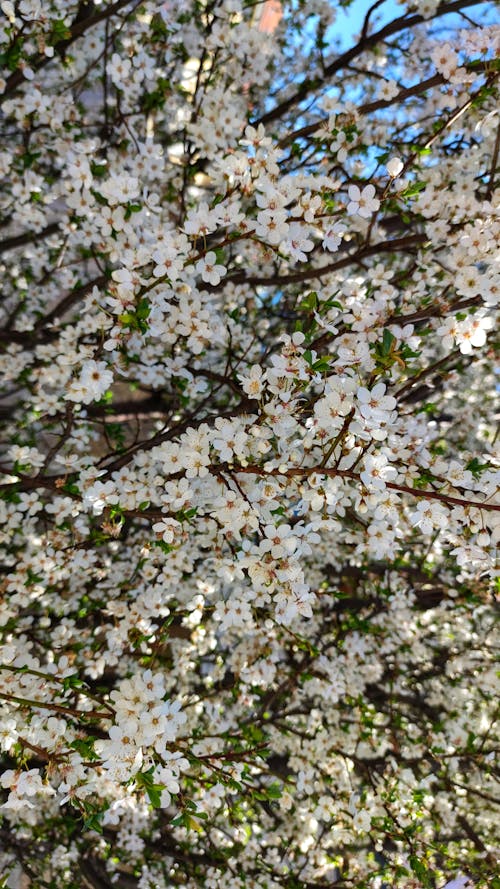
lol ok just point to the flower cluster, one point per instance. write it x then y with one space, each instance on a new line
250 474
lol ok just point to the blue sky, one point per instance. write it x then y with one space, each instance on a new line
349 21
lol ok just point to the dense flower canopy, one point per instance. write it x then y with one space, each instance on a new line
249 489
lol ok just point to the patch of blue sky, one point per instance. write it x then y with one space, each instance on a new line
345 31
349 22
343 34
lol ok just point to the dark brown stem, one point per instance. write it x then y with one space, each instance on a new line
347 473
57 708
494 163
392 246
80 26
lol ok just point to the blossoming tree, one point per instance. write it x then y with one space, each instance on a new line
248 452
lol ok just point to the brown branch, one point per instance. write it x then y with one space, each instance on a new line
49 677
28 237
381 104
57 708
476 839
347 473
404 394
51 482
42 754
79 27
70 298
494 163
39 333
435 311
392 246
366 23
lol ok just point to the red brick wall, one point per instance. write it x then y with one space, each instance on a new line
270 16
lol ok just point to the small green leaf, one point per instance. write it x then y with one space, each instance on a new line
476 467
93 822
274 791
413 189
388 339
420 871
309 303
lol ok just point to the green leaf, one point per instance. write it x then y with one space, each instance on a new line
93 822
143 309
59 31
309 303
420 871
73 681
12 55
322 365
388 340
332 304
131 208
413 189
71 488
29 157
154 793
185 820
98 169
476 467
165 547
85 748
